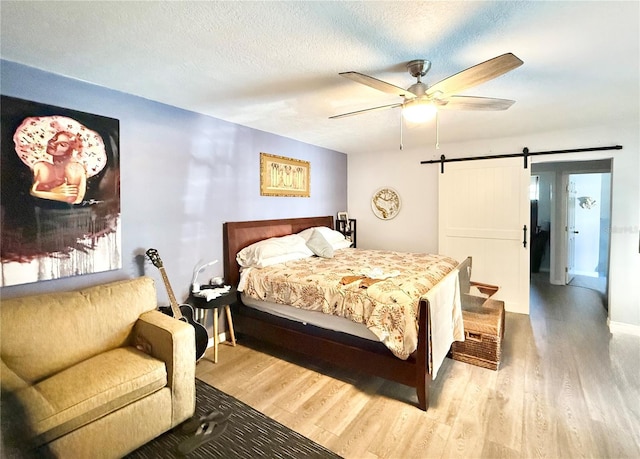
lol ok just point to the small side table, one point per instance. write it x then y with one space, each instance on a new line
348 229
222 301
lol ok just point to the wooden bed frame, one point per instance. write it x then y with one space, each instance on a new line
338 348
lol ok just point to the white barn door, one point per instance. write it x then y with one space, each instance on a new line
483 209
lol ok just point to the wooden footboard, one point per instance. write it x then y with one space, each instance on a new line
340 349
337 348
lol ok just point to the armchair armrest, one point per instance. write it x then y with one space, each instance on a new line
173 342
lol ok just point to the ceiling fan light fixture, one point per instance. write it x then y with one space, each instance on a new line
419 111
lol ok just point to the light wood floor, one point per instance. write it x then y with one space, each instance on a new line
565 388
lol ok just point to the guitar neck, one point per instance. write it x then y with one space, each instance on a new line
172 298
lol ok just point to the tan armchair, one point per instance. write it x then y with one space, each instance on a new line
99 371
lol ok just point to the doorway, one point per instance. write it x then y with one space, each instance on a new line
591 211
574 205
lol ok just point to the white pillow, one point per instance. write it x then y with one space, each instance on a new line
330 235
282 259
341 244
273 250
319 245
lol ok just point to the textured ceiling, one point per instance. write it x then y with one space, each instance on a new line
274 66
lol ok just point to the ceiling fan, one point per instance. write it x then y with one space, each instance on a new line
421 101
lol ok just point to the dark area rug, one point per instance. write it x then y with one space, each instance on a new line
249 434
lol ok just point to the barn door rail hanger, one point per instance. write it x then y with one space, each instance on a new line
525 154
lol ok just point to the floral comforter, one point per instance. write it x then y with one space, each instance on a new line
380 289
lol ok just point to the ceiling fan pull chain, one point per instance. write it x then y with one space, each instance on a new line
400 130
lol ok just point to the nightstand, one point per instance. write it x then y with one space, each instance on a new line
348 228
225 301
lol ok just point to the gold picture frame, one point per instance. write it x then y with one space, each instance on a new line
281 176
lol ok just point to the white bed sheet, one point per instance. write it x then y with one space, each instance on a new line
316 318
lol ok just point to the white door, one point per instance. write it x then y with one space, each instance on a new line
484 212
570 230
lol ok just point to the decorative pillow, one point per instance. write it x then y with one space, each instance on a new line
319 245
330 235
273 250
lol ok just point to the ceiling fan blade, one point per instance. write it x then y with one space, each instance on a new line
473 76
376 84
382 107
475 103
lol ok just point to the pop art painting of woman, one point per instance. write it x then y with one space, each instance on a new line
62 153
60 192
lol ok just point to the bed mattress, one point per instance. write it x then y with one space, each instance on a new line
316 318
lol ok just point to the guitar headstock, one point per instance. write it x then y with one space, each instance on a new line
155 258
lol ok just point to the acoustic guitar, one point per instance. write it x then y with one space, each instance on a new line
183 312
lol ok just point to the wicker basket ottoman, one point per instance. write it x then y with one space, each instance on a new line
483 329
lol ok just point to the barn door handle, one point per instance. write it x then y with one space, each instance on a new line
524 239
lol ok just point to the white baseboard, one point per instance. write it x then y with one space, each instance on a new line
620 327
222 337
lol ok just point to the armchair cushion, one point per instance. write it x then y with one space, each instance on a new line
70 399
9 380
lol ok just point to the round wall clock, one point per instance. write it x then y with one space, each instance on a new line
385 203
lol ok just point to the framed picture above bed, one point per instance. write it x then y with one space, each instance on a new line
281 176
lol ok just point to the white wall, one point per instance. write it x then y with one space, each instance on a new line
588 223
415 227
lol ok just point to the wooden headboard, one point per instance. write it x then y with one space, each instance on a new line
238 235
